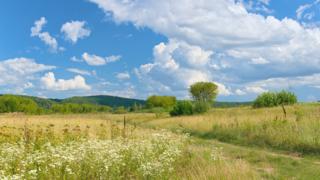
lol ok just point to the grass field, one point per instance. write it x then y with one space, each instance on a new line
230 143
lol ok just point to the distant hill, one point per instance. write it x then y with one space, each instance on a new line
230 104
112 101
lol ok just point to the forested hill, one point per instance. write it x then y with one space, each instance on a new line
111 101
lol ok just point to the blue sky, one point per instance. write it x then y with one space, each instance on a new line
136 48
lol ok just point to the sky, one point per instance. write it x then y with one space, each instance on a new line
138 48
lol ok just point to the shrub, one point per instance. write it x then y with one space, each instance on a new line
161 101
182 108
120 110
271 99
201 107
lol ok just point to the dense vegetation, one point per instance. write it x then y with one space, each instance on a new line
111 101
28 105
9 103
165 102
182 108
272 99
203 95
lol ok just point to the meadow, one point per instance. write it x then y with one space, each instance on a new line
225 143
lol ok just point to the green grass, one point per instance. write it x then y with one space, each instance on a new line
277 147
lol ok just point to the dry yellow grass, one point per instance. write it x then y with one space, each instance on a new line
14 125
227 116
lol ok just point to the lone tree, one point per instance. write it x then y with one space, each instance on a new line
203 93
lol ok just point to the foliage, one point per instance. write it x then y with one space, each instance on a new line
67 108
204 91
231 104
271 99
182 108
112 101
10 103
286 98
166 102
120 110
200 107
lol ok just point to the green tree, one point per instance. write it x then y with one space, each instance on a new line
11 103
204 94
286 98
271 99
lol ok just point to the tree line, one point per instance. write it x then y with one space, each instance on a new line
203 95
11 103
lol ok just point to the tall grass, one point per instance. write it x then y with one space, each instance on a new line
101 146
297 132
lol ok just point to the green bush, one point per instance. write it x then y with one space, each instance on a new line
120 110
272 99
166 102
201 107
182 108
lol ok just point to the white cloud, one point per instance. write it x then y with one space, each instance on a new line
176 66
255 89
28 85
312 80
75 59
95 60
17 74
223 90
49 82
112 58
256 6
259 60
231 40
36 31
123 76
127 92
17 70
301 11
240 92
75 30
79 71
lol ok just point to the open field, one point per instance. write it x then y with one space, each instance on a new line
232 143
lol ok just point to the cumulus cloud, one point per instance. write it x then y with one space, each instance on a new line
75 30
176 66
94 60
237 47
49 82
20 70
17 73
36 31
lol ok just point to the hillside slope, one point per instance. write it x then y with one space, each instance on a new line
112 101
